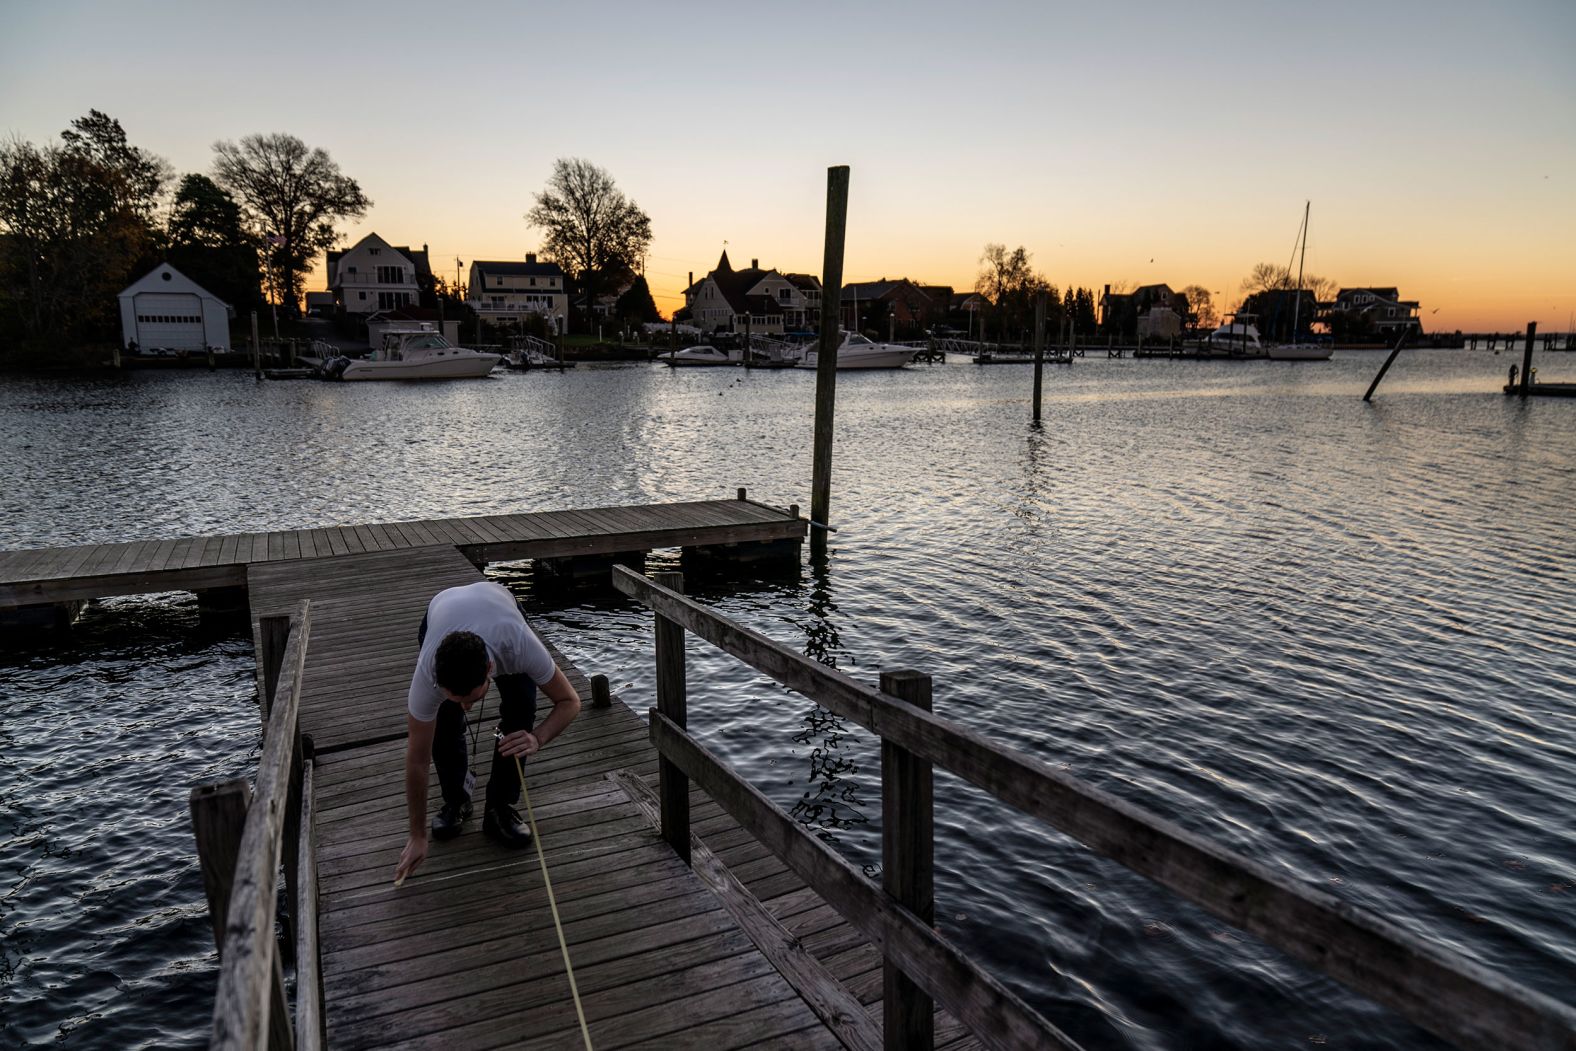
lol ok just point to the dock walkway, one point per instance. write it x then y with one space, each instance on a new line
42 576
464 954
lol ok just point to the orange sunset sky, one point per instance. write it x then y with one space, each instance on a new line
1136 142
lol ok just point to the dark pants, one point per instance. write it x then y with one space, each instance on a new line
450 743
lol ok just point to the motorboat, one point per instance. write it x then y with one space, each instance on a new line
414 354
694 357
1240 336
1298 351
857 352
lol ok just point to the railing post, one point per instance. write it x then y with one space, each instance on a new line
907 864
672 701
273 635
218 822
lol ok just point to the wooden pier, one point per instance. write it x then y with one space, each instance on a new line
45 576
695 911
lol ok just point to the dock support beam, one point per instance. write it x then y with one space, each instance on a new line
826 360
907 864
672 701
1526 358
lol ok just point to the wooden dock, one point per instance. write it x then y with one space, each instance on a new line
45 576
464 954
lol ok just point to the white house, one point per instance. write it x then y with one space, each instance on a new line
374 275
771 301
166 309
506 291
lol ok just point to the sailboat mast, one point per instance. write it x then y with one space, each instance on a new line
1296 308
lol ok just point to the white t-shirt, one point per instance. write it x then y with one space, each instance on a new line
490 611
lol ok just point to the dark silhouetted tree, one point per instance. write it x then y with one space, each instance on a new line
593 231
636 304
208 243
290 196
75 221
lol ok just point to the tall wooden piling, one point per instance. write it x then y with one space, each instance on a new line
1039 352
1526 358
826 361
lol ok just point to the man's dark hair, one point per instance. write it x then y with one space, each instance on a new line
461 662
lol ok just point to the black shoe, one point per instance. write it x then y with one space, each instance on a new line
450 819
504 825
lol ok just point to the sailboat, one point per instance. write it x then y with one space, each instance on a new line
1295 351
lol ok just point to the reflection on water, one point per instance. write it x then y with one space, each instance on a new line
1336 637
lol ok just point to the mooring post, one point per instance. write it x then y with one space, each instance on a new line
743 493
601 696
826 360
907 863
257 349
672 701
1385 367
1039 352
1526 358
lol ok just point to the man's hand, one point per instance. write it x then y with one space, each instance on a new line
415 853
520 743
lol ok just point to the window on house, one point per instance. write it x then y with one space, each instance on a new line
374 251
498 281
352 270
533 282
363 296
391 275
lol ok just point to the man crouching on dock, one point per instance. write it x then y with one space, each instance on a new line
471 636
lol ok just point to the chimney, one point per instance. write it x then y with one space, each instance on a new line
755 264
424 248
692 280
530 257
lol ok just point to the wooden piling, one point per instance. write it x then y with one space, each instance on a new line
672 701
907 863
1526 358
826 360
257 349
1039 352
1385 367
601 696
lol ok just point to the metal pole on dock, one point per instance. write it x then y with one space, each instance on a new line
1526 358
826 360
257 350
1039 352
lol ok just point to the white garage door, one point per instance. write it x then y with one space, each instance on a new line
169 319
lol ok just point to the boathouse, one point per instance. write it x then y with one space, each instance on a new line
167 310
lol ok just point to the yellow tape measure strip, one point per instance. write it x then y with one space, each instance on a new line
547 881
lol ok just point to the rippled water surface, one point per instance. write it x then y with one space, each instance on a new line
1336 637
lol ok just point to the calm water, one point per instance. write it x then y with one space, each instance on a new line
1334 636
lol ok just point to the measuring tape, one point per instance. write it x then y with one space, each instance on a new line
552 902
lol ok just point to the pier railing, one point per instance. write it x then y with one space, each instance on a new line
242 838
1433 987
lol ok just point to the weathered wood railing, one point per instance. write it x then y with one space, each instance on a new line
1435 988
241 841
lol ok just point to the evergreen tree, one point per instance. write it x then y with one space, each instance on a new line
636 304
208 244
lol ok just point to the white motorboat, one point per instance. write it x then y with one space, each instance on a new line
691 357
857 352
1298 352
414 354
1239 335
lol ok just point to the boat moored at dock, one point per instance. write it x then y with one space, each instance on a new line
414 354
857 352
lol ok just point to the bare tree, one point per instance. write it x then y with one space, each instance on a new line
1010 283
291 196
593 230
1200 307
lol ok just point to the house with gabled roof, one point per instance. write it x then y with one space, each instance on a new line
373 275
505 291
1377 309
898 305
763 301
